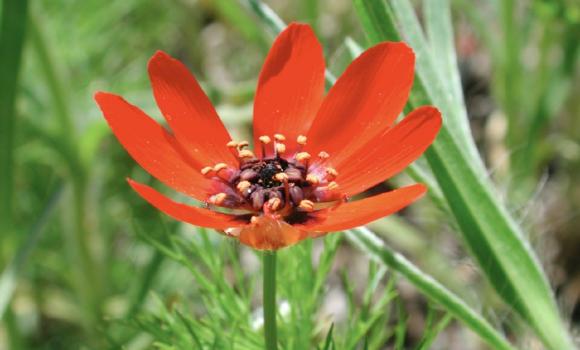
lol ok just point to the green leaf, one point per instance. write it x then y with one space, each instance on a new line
491 234
11 272
12 32
378 250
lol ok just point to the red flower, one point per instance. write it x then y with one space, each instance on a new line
313 152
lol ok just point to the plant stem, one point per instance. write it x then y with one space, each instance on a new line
269 295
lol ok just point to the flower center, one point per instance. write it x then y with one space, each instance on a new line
286 186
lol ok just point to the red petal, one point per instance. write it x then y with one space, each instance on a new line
187 109
291 85
366 100
267 233
361 212
152 146
192 215
389 153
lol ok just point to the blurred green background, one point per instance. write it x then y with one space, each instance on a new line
87 264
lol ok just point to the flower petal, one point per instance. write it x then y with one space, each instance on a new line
361 212
291 85
388 153
191 215
366 100
152 146
267 233
187 109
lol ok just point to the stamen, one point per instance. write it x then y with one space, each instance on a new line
218 199
274 203
301 140
279 137
243 186
264 140
219 166
323 155
280 148
312 179
206 170
332 186
302 156
242 144
331 173
306 205
246 153
232 144
282 177
254 220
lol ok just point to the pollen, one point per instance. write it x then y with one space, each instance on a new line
274 203
243 144
219 166
306 205
331 173
282 177
206 170
279 137
243 186
280 148
302 156
312 179
218 199
265 139
323 155
232 144
301 140
332 186
245 153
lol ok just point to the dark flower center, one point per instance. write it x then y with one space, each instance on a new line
288 187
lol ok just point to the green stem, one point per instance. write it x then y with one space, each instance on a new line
269 295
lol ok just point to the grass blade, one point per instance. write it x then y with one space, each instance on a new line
12 32
10 274
367 241
490 232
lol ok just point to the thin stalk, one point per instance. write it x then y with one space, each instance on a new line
370 243
269 295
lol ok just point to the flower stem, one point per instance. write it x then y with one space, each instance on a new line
269 295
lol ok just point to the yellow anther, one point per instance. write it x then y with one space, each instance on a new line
323 155
302 156
332 186
306 205
265 139
232 144
331 173
254 220
246 153
312 179
219 166
301 140
218 199
243 186
279 137
280 148
243 144
206 170
282 177
274 203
